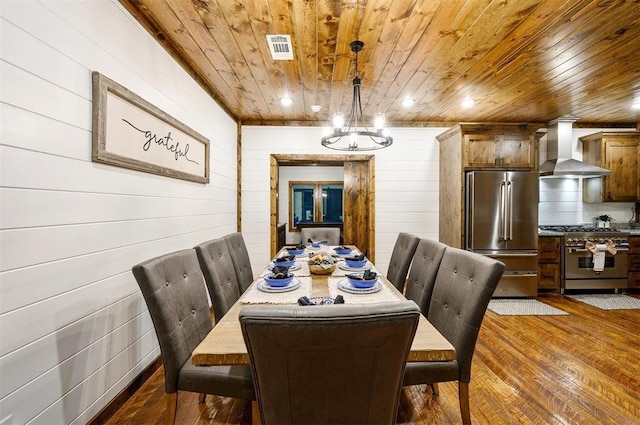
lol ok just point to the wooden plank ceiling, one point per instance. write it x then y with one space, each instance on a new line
520 60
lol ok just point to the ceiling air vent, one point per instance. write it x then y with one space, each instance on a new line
280 46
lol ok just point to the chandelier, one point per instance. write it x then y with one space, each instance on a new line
354 135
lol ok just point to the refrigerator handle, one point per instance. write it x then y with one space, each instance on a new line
509 235
502 221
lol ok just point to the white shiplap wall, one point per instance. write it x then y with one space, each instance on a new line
406 184
74 329
561 199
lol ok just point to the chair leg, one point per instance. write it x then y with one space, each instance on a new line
202 397
256 419
463 395
172 406
434 388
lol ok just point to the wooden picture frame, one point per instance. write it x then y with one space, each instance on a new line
129 132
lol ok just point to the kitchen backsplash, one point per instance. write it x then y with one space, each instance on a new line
561 203
561 199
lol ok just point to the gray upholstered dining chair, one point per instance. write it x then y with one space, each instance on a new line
317 234
422 275
219 274
173 288
335 364
463 287
401 257
241 261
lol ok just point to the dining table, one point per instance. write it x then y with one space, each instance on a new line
224 345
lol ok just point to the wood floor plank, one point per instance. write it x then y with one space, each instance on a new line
578 369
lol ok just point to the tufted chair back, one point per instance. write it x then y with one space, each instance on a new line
422 276
336 364
220 275
241 261
317 234
464 286
173 288
401 257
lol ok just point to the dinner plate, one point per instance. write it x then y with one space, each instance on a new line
347 287
296 266
264 286
344 266
322 300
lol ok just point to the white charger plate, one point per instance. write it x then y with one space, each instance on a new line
343 266
347 287
265 287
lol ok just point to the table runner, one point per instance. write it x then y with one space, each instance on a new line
255 296
384 295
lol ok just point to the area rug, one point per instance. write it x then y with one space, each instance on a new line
523 307
608 301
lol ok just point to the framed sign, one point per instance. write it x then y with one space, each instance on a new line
129 132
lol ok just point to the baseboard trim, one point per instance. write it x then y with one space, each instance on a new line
118 401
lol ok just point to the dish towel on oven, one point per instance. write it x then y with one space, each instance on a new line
598 258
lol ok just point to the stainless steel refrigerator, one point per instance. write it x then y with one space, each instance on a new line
502 222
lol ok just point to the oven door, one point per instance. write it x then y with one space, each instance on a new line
578 264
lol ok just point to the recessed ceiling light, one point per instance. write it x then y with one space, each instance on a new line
316 108
286 101
468 103
408 102
635 105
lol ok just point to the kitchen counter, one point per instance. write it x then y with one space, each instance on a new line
632 229
635 231
549 233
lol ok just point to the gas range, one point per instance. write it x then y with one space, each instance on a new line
579 269
578 236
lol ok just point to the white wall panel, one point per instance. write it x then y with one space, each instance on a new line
406 175
74 328
29 285
115 321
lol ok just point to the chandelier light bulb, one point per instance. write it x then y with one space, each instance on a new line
338 120
379 121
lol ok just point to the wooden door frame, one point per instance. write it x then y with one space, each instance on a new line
276 160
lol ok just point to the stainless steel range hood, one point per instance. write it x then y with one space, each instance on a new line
559 162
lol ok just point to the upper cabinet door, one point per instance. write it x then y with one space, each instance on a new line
622 157
501 149
620 153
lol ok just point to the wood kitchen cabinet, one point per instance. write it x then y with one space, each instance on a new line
499 148
549 263
476 146
633 262
620 153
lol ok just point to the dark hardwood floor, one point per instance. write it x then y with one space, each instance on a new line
583 368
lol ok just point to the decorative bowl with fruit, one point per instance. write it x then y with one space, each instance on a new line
322 264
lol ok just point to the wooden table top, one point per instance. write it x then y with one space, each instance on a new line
224 345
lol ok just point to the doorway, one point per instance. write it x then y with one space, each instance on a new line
359 196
